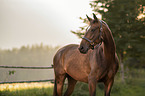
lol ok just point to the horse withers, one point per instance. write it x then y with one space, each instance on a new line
79 63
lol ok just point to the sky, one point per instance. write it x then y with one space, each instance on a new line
29 22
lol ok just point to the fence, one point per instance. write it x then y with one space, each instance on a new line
26 67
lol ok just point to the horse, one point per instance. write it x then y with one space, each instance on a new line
93 61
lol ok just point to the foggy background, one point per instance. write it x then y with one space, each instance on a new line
27 22
32 30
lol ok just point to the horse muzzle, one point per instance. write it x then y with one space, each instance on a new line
83 50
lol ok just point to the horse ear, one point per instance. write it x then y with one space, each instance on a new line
95 17
88 18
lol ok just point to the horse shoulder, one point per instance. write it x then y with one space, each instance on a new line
58 59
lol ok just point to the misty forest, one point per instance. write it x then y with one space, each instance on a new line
35 55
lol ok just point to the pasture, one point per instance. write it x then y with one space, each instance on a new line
134 78
26 89
134 86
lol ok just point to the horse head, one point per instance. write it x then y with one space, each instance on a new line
93 35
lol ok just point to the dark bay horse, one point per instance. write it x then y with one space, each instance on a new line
78 63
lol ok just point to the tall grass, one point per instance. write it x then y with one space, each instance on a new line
134 86
26 89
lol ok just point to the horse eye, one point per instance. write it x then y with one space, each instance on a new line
93 30
94 21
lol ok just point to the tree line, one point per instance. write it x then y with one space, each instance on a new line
36 55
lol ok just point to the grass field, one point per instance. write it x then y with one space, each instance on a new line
45 89
26 89
134 86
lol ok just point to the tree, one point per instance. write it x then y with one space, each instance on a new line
127 29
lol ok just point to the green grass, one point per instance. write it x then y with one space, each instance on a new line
28 92
134 86
26 89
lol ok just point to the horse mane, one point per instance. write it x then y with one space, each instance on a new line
105 23
108 41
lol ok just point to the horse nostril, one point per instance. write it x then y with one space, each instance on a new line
81 47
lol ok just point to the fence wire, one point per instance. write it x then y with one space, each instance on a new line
28 67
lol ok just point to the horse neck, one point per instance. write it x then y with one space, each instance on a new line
109 44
